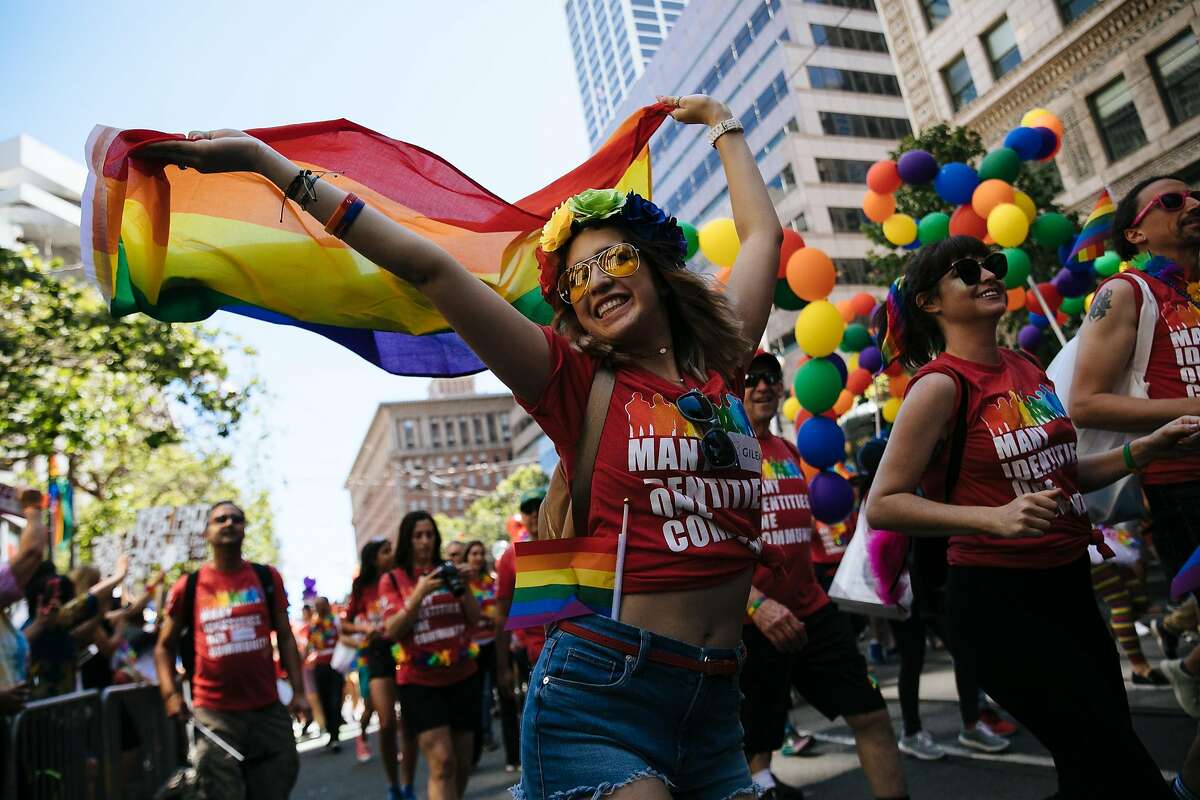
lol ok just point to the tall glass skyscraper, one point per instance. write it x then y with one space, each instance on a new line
612 42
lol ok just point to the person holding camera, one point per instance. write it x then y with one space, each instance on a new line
431 616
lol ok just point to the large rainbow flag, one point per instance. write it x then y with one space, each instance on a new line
563 578
179 245
1090 244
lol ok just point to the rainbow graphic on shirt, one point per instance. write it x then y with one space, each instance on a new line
777 469
1013 412
221 604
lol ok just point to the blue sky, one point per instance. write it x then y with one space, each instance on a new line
488 85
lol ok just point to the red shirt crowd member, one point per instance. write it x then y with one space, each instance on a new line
430 612
229 609
1015 516
794 637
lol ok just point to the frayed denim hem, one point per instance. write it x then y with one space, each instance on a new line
753 790
588 793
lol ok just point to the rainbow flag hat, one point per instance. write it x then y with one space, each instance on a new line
563 578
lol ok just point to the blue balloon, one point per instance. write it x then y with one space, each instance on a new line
1038 321
1049 141
915 244
821 442
1026 141
1064 250
955 183
831 497
1073 284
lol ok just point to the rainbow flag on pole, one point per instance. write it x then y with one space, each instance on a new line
1090 244
60 500
563 578
179 245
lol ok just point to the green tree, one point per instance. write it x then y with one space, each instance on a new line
487 518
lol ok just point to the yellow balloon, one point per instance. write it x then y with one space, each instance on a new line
1087 302
852 362
791 407
1030 116
900 229
1025 203
819 328
719 242
1008 225
890 409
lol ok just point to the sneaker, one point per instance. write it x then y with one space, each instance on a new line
1168 641
797 743
1187 687
1153 678
996 723
408 792
921 745
982 739
395 793
362 751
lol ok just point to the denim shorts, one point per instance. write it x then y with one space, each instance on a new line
596 719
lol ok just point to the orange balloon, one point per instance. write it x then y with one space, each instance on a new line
862 303
1016 298
884 177
792 242
1046 120
845 309
809 472
858 381
723 276
898 383
988 239
878 207
990 194
844 403
811 274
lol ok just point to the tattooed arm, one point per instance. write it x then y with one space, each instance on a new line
1106 343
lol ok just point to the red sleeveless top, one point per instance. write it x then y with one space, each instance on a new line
1019 441
438 650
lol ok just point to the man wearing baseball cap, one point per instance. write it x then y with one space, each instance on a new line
794 636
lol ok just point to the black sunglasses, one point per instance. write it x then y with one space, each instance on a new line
753 378
223 518
716 446
970 269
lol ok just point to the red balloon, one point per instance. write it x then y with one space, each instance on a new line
894 369
1050 294
862 303
792 242
965 222
883 177
858 381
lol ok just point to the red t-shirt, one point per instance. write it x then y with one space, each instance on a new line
1174 368
1019 441
533 639
787 522
438 650
684 520
829 543
235 665
364 609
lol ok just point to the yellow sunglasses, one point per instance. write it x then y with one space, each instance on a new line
620 261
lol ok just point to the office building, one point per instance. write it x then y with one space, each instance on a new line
40 190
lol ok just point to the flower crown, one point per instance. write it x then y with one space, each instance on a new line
592 206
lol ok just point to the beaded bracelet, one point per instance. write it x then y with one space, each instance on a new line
752 606
302 190
347 211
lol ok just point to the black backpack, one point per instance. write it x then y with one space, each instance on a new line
187 614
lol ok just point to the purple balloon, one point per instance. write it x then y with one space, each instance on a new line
871 360
1072 284
917 167
831 497
840 363
1049 141
1029 337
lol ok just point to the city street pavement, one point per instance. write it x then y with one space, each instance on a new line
830 769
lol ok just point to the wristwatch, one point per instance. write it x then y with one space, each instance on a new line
723 127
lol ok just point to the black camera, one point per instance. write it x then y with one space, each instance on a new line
450 576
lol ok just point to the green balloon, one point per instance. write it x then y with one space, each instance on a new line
817 385
1051 230
1107 264
785 298
933 227
856 339
693 239
1018 267
1072 305
1004 164
1139 261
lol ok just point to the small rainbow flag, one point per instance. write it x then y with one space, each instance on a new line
60 502
1098 227
179 245
563 578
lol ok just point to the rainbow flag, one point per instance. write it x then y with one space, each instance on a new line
563 578
1090 244
179 245
60 503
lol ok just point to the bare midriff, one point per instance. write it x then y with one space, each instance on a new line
708 617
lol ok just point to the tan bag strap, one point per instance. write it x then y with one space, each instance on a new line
599 398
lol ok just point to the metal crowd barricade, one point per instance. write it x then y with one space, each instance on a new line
139 742
54 750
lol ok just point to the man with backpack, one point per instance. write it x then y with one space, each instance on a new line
219 620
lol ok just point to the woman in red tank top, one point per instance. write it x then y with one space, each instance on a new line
1018 597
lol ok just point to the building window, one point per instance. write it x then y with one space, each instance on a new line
799 223
1072 10
1176 69
848 80
504 432
862 5
848 220
842 170
491 427
640 14
435 433
849 38
838 124
648 27
785 181
957 76
477 425
1117 119
409 434
936 12
852 270
1001 44
451 433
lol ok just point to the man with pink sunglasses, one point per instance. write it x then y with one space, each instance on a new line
1158 220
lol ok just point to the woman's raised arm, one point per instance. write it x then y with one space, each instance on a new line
512 346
